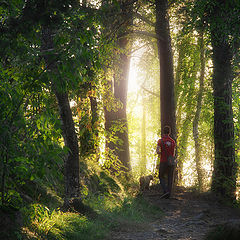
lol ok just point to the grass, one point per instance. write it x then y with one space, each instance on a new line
42 223
113 215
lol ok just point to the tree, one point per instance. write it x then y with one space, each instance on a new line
221 17
68 127
118 86
143 139
72 68
200 173
167 100
25 110
55 65
186 75
222 21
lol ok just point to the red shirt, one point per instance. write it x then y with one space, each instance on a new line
169 147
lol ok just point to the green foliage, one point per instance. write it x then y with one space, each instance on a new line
87 130
106 179
130 213
54 224
31 144
31 139
137 209
236 114
218 17
101 184
114 213
30 133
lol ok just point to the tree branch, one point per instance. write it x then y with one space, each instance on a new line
147 34
152 93
144 18
135 50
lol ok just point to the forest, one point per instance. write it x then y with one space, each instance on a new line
86 88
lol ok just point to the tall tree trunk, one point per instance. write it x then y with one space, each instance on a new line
167 102
199 168
95 124
143 141
224 176
224 173
71 164
178 98
120 89
182 148
180 49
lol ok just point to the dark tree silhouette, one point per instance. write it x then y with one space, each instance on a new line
71 164
224 174
167 102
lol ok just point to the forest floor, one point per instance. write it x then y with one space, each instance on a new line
186 215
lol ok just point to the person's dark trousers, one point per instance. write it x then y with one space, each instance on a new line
165 170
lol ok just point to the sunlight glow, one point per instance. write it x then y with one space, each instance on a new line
134 71
133 76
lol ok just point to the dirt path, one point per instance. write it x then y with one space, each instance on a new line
186 216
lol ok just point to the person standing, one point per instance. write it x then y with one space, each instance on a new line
165 147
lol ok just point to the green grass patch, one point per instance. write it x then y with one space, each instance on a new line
137 209
42 223
129 213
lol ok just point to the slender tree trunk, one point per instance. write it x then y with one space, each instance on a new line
182 147
95 124
94 111
143 141
121 89
178 97
167 102
71 168
178 72
199 168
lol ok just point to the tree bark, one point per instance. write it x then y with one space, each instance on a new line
179 106
95 124
167 101
71 163
198 161
224 175
71 168
143 141
121 89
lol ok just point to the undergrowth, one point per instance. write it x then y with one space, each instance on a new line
46 224
113 214
117 208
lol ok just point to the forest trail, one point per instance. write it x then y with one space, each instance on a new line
186 216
